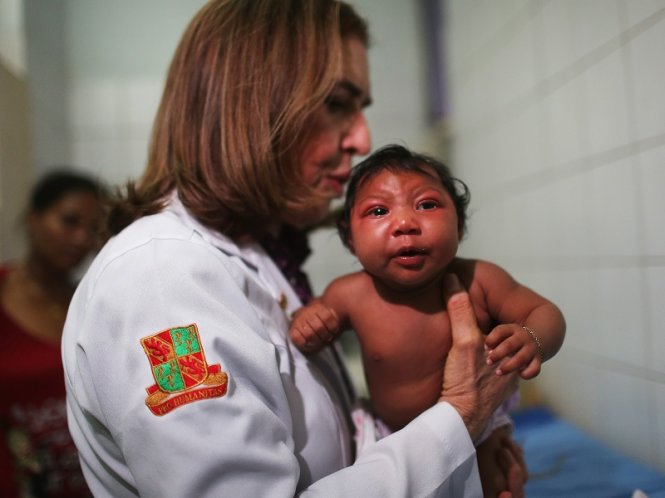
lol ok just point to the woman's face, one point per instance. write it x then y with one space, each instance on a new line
337 133
63 234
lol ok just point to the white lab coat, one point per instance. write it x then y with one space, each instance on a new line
281 428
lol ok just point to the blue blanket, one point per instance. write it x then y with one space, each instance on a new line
564 462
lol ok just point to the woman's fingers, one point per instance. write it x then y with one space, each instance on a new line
469 384
465 331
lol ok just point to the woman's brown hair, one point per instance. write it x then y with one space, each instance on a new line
244 80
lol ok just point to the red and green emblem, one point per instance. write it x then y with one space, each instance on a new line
180 370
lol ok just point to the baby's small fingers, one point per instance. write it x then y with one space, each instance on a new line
300 340
321 331
314 338
516 362
498 335
531 370
329 320
505 349
294 335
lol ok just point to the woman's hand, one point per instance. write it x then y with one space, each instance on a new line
469 384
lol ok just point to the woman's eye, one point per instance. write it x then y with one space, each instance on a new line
426 205
338 105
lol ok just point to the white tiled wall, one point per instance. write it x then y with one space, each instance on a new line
559 128
110 122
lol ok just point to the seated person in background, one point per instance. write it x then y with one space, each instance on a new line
37 455
403 218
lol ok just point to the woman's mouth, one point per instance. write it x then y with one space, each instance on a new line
335 184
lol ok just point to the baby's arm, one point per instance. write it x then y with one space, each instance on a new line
322 319
532 328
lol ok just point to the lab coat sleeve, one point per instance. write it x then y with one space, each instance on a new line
431 457
239 444
235 445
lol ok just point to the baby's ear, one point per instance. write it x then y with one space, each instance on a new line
344 230
349 244
460 232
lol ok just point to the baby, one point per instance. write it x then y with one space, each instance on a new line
403 219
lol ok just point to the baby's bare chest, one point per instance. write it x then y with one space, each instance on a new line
402 333
405 335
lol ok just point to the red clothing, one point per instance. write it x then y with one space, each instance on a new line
37 455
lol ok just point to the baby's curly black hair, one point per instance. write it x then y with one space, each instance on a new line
398 158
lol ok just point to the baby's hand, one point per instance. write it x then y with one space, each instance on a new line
313 326
516 347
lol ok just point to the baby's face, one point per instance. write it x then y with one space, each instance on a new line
404 228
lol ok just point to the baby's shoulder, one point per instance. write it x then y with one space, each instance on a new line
345 293
350 284
474 271
484 281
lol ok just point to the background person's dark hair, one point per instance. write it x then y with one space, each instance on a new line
55 184
398 158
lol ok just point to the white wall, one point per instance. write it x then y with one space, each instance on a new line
47 82
559 128
117 55
12 36
16 171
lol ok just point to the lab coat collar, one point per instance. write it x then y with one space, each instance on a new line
249 252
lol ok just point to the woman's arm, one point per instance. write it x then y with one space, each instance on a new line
205 443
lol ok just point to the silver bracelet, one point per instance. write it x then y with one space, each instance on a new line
533 335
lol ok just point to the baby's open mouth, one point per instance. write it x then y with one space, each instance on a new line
410 252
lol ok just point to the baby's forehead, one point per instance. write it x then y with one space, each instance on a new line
377 177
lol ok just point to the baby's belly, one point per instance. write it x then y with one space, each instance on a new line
397 400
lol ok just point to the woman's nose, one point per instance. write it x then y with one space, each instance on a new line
358 139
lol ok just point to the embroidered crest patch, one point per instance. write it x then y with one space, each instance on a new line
180 370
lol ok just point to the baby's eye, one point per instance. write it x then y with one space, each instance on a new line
426 205
377 211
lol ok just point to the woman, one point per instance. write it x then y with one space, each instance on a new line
181 379
37 455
